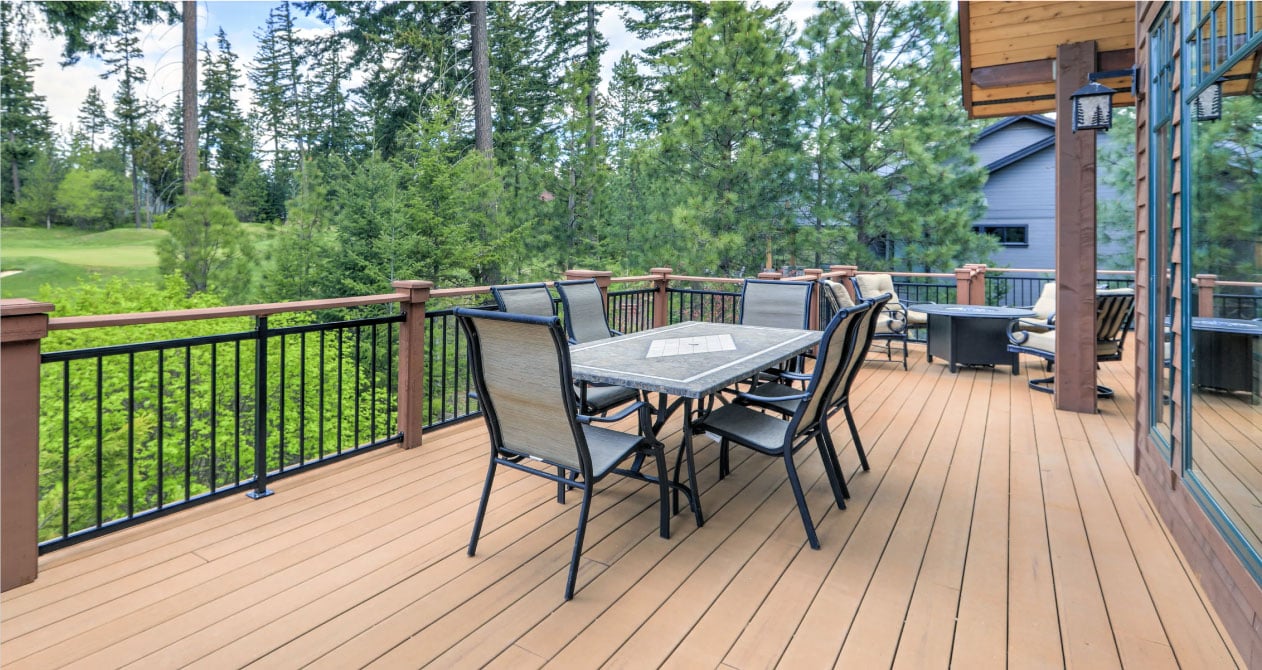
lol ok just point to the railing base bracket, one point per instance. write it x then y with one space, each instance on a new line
255 495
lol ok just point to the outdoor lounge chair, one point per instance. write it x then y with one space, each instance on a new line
1044 311
897 318
1114 310
775 436
521 367
535 299
866 314
836 295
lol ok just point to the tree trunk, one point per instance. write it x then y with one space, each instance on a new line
481 80
190 93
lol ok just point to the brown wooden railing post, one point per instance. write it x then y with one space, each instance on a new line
23 323
603 279
964 285
814 274
978 286
846 278
661 300
412 359
1205 294
770 274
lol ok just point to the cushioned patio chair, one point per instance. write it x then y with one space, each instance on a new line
1114 310
898 316
836 295
1044 311
783 437
866 314
521 367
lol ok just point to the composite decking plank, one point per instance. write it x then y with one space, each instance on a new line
879 618
1034 635
1086 630
1193 631
929 627
847 575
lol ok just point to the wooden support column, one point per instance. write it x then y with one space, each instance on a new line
1075 237
23 323
1205 294
412 360
661 300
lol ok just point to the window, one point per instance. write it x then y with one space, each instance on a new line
1007 235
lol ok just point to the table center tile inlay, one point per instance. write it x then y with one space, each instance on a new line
678 346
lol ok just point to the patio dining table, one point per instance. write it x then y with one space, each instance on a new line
689 361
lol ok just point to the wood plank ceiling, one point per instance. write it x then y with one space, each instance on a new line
1008 51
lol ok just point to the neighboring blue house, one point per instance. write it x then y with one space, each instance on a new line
1020 154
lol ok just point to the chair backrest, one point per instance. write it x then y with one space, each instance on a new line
1045 306
837 296
524 299
521 368
829 362
865 329
776 304
585 319
1114 310
872 285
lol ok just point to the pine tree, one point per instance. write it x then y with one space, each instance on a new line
130 110
890 180
225 147
275 83
93 117
25 126
207 247
732 134
332 121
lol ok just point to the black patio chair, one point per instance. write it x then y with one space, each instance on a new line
1114 310
585 321
777 304
521 367
866 315
783 437
524 299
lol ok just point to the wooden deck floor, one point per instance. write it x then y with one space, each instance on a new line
991 531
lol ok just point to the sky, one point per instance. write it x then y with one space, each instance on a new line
65 88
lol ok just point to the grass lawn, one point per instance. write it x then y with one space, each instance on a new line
61 257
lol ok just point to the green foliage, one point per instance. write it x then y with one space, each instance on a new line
23 115
226 144
1226 235
207 247
93 198
1115 225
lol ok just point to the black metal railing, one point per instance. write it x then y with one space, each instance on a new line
631 310
1024 290
924 291
133 431
448 372
1237 305
718 306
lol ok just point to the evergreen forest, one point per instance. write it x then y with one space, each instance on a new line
473 143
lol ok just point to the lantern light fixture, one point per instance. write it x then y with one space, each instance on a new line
1093 103
1208 104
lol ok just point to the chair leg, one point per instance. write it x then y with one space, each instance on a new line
854 435
560 486
905 353
578 541
1044 385
486 495
723 458
827 455
801 499
659 454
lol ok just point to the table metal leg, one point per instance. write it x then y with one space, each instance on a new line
693 491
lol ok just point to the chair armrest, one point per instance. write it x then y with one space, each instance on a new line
1016 335
896 319
624 413
615 332
769 399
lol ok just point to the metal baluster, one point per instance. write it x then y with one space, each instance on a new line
131 434
100 438
161 425
320 414
281 459
302 398
260 410
65 449
188 422
214 417
372 417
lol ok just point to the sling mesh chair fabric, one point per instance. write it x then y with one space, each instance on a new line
585 318
865 314
896 319
775 436
521 367
537 300
1114 310
773 303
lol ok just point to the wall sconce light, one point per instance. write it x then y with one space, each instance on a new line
1208 105
1093 103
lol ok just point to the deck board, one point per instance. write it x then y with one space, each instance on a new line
991 530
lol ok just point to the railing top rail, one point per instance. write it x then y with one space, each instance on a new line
939 275
1240 284
630 280
713 280
1052 271
227 312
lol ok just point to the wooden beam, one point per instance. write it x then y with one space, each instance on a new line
1015 74
966 59
1075 237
